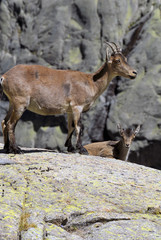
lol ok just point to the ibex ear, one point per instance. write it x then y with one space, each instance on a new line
137 130
120 129
108 56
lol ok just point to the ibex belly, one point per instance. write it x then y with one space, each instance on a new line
46 108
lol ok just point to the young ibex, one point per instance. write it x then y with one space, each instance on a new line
114 149
49 91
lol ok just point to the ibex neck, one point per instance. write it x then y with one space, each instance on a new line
102 78
120 151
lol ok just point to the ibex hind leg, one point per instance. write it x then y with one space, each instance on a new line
4 129
10 128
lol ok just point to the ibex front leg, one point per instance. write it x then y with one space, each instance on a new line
71 128
77 122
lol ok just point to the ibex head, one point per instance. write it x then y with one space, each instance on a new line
117 62
128 134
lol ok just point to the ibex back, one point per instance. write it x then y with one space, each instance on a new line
48 91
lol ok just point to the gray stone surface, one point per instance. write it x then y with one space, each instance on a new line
70 35
138 102
46 195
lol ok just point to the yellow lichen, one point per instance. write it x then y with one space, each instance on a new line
75 24
75 56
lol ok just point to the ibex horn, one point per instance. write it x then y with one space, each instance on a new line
118 48
109 44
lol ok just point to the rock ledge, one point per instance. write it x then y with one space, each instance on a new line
48 195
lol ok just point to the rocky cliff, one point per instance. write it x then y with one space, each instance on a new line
70 35
46 195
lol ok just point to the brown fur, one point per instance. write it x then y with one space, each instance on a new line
49 91
114 149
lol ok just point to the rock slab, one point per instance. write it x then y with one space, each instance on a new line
53 196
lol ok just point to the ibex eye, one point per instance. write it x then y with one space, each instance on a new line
118 60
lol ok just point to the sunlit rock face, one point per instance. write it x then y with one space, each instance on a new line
47 195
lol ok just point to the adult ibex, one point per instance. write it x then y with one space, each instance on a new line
49 91
114 149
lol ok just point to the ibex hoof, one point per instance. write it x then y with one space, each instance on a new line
14 150
83 151
71 149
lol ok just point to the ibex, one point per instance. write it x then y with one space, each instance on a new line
49 91
114 149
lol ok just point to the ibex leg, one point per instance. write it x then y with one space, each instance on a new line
4 128
71 129
78 128
11 124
